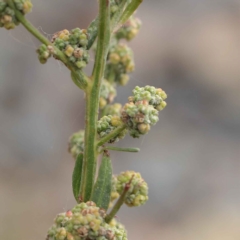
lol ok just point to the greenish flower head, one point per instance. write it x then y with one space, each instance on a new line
107 124
85 221
120 64
137 194
114 6
114 109
8 19
114 193
130 29
141 112
43 53
74 45
107 94
76 144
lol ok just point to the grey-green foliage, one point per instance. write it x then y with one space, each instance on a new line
103 186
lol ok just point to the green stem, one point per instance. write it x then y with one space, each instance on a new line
58 53
132 150
130 9
92 101
119 202
111 135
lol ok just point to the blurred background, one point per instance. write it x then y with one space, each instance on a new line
191 159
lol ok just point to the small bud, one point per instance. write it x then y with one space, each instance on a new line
107 124
69 50
114 58
161 106
78 53
76 144
69 214
144 128
107 94
82 231
91 204
116 121
80 64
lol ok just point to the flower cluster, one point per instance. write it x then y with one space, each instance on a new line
137 194
107 94
76 143
85 221
114 5
141 112
114 193
74 45
8 19
114 109
130 29
120 63
107 124
43 53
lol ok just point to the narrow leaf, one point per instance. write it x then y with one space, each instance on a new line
130 9
103 186
76 177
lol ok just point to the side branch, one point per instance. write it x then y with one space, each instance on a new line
83 81
111 135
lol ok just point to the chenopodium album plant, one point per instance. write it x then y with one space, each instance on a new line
98 193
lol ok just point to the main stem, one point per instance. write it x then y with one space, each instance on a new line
92 101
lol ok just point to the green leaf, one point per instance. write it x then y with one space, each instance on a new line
103 187
76 177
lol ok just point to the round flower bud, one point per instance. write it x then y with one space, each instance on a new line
76 144
114 109
107 94
130 29
141 112
137 194
43 53
8 19
120 63
86 222
114 6
74 45
107 124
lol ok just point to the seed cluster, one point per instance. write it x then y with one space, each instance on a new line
8 18
85 222
130 29
114 6
43 53
74 45
141 112
76 144
120 64
107 124
107 94
114 109
137 194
